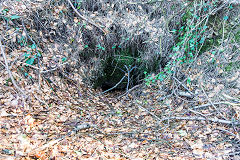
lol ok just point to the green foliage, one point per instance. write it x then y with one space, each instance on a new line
78 4
231 66
30 61
31 58
7 17
114 67
5 11
124 57
237 36
64 59
100 47
192 38
14 17
7 82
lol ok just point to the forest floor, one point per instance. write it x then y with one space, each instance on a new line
63 118
77 122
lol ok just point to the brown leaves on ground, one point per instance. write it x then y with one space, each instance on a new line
42 126
119 130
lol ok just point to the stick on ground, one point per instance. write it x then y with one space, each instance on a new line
216 120
8 70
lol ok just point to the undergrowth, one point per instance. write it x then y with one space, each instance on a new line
202 30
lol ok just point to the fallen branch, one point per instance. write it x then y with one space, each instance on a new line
210 101
84 18
130 90
206 105
232 134
115 85
53 142
184 94
216 120
152 114
217 103
8 70
3 64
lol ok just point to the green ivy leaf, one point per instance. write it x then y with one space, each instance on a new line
6 10
202 40
26 55
225 18
118 112
14 17
169 72
64 59
30 61
39 53
174 31
188 80
33 46
176 48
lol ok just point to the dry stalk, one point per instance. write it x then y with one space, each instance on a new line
86 19
9 71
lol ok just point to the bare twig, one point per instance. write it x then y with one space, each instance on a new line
130 90
115 85
216 120
206 105
128 74
185 94
8 70
224 130
184 86
196 112
217 103
150 113
148 2
41 101
51 143
86 19
24 28
211 102
170 18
